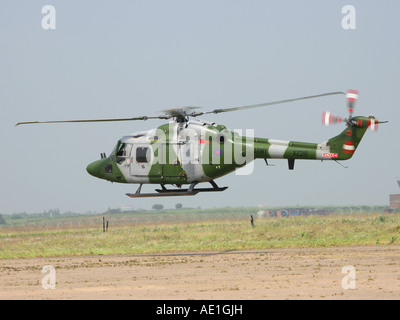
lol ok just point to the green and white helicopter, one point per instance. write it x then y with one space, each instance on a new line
188 151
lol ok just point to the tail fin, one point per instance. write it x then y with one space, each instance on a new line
346 143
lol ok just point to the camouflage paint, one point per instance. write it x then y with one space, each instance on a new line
199 151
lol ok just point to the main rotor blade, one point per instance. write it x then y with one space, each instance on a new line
183 111
272 103
94 120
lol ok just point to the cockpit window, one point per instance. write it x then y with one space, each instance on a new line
121 150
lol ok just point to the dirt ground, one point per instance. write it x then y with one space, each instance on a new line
315 273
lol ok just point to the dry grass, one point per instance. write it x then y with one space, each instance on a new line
293 232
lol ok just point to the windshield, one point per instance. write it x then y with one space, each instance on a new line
112 155
121 150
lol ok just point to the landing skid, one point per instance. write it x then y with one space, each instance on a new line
164 192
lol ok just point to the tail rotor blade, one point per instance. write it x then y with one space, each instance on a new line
373 123
352 96
329 118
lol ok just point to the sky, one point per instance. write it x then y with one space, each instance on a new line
109 59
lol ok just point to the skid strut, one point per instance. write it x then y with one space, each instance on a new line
164 192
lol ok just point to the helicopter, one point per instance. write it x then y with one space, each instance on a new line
188 151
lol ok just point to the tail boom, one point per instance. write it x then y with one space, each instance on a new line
341 147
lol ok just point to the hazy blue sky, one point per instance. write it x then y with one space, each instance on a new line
134 58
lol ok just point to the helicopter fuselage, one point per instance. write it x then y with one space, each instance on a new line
200 151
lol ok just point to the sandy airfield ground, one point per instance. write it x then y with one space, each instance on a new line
314 273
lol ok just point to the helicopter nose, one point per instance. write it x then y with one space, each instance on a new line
94 168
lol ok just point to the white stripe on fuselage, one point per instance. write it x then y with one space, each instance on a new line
277 148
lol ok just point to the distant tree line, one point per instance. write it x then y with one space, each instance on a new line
160 206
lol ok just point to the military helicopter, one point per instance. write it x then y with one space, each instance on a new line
189 151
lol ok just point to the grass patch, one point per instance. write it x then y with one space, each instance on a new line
186 236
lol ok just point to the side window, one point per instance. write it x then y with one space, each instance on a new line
141 155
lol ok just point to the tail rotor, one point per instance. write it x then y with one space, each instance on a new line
352 95
346 143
